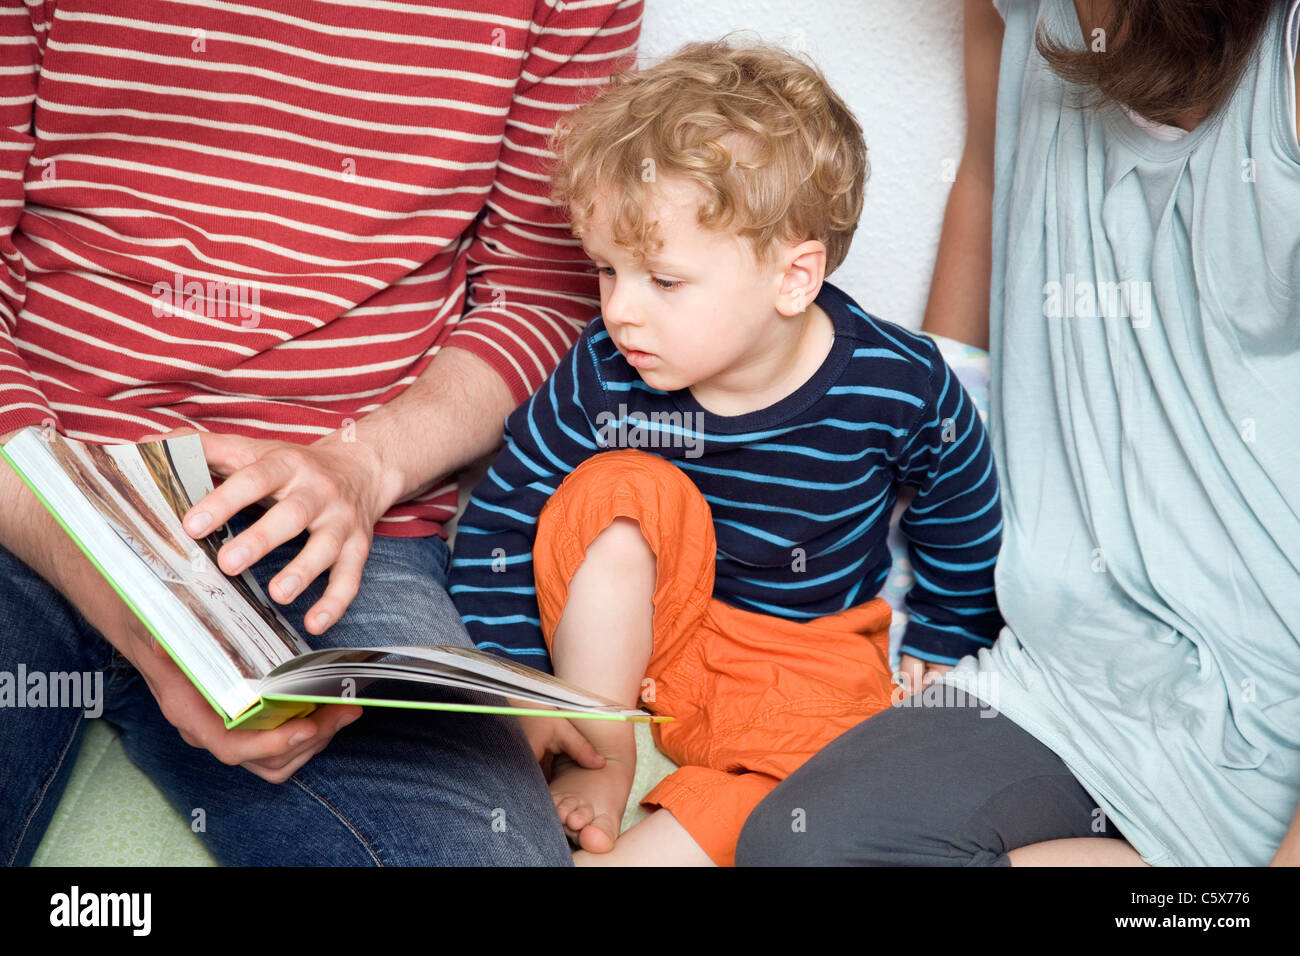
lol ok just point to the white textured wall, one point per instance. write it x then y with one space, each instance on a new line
897 63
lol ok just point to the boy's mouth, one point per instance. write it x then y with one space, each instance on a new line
639 359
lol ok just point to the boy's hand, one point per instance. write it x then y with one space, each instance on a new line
917 674
550 736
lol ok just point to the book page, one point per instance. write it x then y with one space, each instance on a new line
134 488
462 666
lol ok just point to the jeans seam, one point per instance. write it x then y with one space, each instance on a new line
341 818
40 797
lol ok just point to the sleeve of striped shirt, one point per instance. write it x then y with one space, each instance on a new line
491 578
531 288
22 402
953 525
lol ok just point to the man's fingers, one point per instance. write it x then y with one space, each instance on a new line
344 583
174 433
283 772
284 522
227 454
330 720
243 746
317 555
247 486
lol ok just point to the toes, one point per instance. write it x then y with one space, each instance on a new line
598 837
574 812
582 816
565 804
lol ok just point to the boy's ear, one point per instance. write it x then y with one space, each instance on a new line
805 268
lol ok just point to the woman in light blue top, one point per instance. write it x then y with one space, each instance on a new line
1144 327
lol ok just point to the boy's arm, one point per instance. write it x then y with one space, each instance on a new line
953 525
958 306
492 572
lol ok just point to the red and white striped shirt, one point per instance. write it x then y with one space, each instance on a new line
266 219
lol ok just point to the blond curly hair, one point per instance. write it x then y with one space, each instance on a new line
775 151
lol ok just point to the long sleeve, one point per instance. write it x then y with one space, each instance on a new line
492 574
531 287
953 526
22 402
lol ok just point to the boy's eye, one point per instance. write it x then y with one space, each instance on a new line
666 284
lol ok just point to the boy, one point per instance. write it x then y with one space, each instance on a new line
693 510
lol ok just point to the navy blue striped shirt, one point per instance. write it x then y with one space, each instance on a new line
801 491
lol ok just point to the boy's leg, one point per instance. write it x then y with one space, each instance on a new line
397 787
772 692
658 840
922 786
624 565
603 643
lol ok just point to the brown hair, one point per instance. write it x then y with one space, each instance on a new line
1164 58
776 153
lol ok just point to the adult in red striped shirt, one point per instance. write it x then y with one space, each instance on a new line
319 235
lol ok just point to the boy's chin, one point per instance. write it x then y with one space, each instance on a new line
657 380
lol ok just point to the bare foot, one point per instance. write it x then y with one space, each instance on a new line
590 803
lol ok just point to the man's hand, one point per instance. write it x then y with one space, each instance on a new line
334 489
274 755
917 674
33 536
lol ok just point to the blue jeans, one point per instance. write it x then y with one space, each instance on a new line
397 787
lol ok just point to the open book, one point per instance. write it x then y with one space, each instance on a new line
122 505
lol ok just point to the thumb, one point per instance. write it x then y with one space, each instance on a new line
174 433
579 748
226 454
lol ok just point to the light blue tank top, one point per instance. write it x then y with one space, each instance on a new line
1145 410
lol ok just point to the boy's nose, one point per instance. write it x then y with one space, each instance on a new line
619 307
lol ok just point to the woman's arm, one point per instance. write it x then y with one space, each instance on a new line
959 290
1288 854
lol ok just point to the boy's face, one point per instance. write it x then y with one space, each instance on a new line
699 311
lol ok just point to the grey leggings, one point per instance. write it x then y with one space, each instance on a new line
921 786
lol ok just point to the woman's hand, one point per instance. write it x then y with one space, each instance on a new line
917 674
335 489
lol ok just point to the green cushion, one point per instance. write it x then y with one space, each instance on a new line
113 815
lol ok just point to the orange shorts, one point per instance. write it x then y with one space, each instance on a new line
752 696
